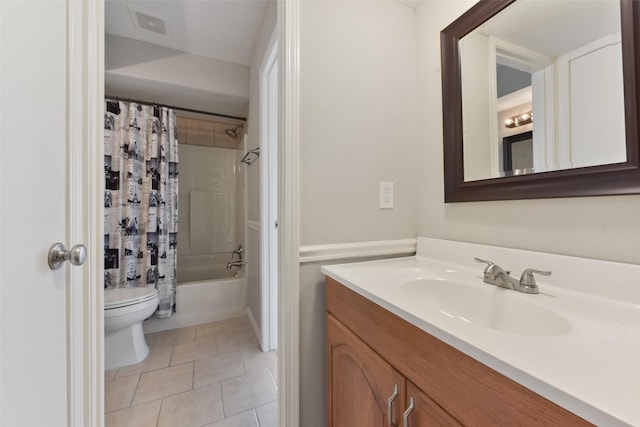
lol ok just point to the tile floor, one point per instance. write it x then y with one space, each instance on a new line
212 375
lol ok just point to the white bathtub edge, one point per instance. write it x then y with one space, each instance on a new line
158 325
203 302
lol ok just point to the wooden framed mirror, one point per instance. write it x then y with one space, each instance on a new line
618 174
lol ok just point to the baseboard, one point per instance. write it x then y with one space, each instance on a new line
314 253
254 326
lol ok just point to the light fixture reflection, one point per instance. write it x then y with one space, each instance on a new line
519 120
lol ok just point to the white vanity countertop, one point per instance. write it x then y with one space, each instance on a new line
589 365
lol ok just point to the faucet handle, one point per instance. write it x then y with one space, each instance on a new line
492 269
527 278
489 270
238 251
489 263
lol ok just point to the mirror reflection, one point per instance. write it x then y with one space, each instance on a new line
542 89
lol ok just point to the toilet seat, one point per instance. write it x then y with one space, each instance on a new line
124 297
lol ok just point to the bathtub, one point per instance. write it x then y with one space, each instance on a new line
204 296
186 276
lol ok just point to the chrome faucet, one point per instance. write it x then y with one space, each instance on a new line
236 264
495 275
238 252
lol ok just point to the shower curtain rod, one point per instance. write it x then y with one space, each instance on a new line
189 110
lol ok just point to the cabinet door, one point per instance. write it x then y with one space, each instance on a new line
426 412
359 382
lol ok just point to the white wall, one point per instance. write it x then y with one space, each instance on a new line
591 105
209 183
358 127
476 114
596 227
154 73
358 120
253 171
174 67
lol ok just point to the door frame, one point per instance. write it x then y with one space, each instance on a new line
85 183
269 195
86 105
289 212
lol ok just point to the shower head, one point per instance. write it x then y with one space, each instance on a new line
233 132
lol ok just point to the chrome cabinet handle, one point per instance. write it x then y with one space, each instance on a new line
58 254
390 406
408 412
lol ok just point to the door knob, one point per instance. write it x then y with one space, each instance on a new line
58 254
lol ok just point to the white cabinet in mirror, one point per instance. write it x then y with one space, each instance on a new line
542 89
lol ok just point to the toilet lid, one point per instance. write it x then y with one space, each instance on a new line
118 297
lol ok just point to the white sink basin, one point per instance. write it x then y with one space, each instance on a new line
576 343
488 306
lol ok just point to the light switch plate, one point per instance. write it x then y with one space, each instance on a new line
386 195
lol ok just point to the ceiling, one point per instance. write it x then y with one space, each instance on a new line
554 27
219 29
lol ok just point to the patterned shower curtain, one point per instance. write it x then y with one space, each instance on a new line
141 199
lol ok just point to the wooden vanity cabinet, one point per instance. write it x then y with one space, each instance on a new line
370 350
426 412
362 384
361 381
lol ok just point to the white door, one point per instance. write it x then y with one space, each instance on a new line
269 194
37 374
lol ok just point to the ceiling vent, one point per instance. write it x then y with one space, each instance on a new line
148 22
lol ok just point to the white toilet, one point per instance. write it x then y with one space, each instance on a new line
124 311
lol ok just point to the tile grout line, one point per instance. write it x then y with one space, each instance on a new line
193 375
133 395
275 383
236 332
150 370
159 412
168 395
233 333
224 414
173 348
